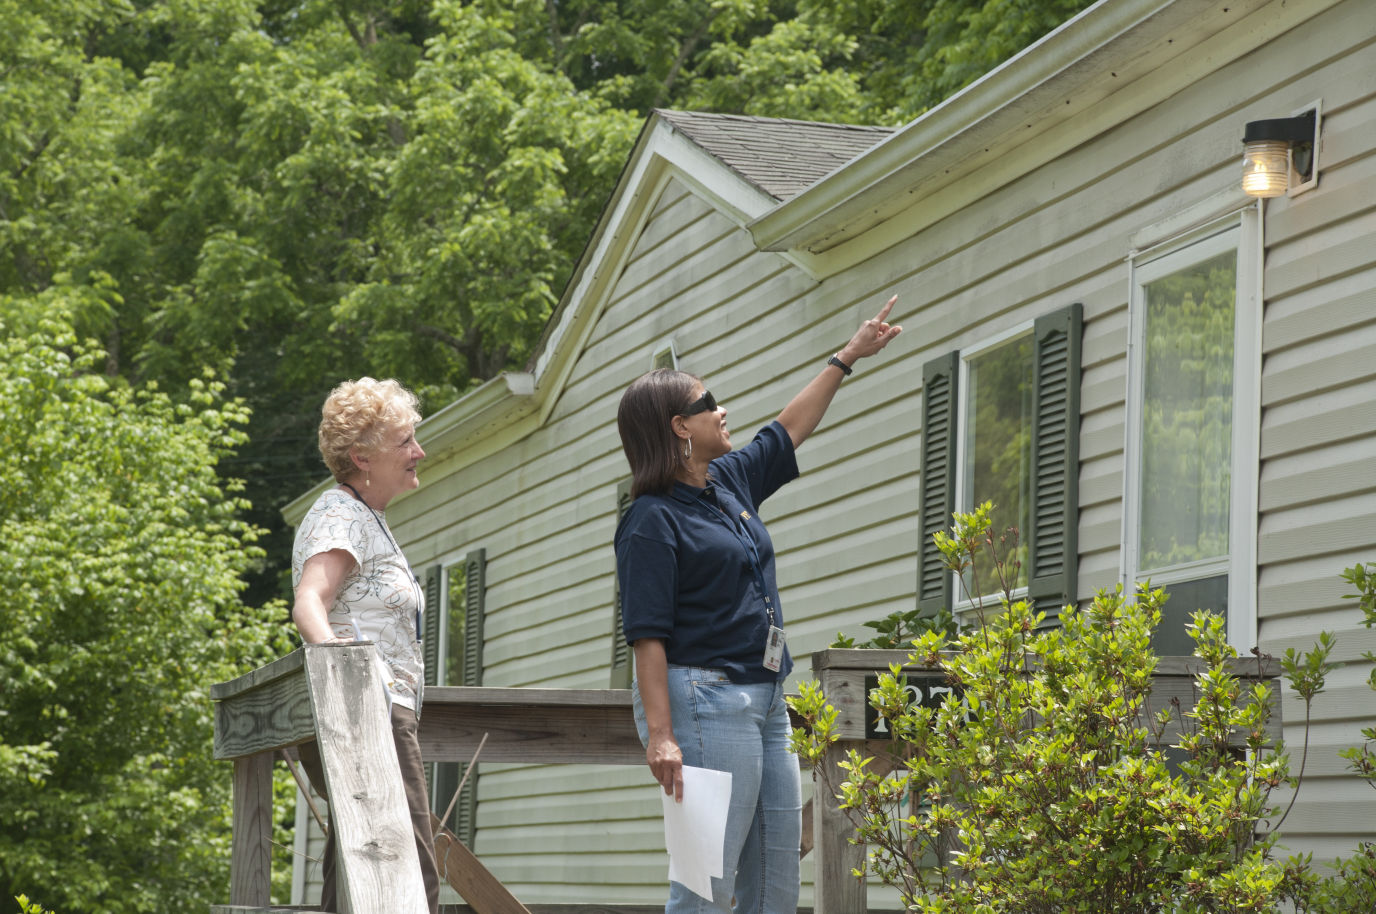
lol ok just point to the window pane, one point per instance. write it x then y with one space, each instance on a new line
447 777
454 626
1187 414
1186 597
998 450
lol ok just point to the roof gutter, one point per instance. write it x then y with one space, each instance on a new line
1043 88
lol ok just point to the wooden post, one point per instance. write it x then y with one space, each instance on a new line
835 889
842 675
250 866
377 868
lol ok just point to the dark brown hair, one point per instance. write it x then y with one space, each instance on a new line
645 421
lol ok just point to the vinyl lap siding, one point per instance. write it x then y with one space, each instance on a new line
1317 494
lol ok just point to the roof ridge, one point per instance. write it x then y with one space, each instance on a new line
673 113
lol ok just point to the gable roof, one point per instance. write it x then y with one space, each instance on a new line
781 157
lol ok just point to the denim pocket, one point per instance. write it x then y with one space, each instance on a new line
706 676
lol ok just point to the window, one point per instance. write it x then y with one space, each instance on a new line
454 597
1191 456
995 443
1011 437
665 355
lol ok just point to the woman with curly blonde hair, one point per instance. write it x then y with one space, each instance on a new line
352 583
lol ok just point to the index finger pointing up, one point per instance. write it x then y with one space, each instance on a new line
884 311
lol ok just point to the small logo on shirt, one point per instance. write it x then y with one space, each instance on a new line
745 515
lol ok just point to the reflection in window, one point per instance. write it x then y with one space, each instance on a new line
998 450
455 617
1187 406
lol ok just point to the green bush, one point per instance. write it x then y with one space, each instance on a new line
121 574
1043 784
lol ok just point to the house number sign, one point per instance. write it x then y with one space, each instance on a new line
924 691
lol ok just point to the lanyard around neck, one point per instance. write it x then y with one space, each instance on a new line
747 542
381 526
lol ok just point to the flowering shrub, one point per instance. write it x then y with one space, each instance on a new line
1043 783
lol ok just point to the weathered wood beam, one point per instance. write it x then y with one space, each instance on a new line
263 710
583 726
378 871
467 875
250 861
842 672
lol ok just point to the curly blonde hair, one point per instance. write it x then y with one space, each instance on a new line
359 414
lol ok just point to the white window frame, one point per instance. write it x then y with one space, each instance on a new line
961 607
1239 231
666 346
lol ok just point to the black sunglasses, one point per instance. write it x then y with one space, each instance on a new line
703 404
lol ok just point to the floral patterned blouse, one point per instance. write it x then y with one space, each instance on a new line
380 600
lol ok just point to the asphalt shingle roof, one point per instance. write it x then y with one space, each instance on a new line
780 157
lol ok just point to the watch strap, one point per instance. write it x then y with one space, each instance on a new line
836 360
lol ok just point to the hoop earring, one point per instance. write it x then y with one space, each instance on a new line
687 450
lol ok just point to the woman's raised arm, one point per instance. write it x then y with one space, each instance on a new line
802 414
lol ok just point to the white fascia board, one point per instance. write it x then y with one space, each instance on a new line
499 401
1076 83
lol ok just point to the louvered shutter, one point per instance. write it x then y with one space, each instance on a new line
938 488
1052 537
474 596
475 592
430 634
621 651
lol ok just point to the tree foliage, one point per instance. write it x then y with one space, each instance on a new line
285 193
121 574
1042 784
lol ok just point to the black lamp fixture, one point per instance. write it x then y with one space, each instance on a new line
1279 154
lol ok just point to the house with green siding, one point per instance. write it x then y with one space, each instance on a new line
1154 375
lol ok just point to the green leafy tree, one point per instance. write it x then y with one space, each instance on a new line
487 205
909 56
121 574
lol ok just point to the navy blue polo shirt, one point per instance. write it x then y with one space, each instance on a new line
696 566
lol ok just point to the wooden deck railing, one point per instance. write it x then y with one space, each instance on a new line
332 689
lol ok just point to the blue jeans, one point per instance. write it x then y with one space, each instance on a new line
743 729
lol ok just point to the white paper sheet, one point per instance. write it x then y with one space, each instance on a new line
695 830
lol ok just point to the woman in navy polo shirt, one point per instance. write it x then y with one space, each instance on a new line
700 606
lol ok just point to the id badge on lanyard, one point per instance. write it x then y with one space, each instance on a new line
774 649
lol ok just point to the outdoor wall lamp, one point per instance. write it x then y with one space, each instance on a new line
1280 154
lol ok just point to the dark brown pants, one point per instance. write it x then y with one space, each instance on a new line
404 734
